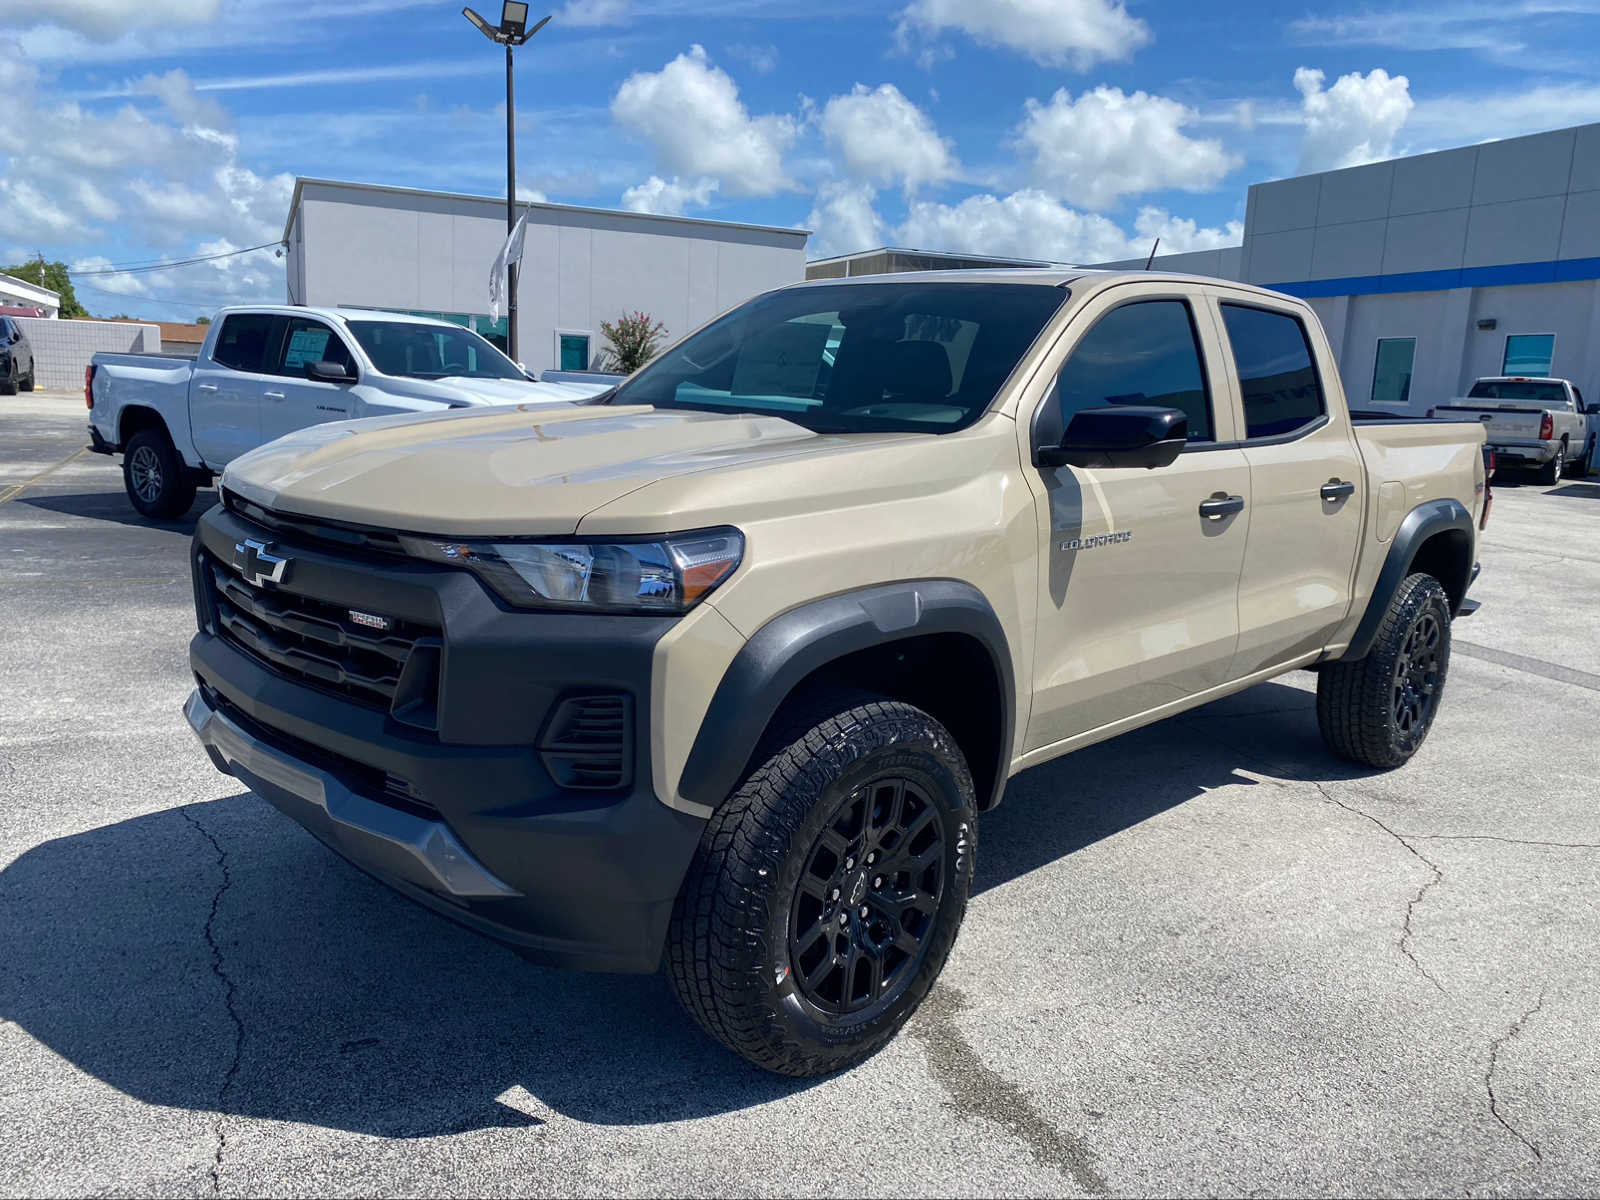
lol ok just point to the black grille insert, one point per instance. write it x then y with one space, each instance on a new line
313 640
588 741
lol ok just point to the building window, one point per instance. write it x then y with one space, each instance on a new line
572 351
1529 354
1391 374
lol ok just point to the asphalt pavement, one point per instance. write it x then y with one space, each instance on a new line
1204 958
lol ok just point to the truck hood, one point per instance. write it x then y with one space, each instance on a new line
460 389
504 471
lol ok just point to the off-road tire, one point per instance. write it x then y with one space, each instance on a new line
158 484
1359 703
1552 471
730 945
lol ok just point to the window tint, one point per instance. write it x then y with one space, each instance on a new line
1277 377
431 351
1141 353
242 341
1391 372
311 341
1519 389
854 357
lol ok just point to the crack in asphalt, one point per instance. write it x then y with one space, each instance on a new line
1488 837
1488 1076
975 1088
229 995
1407 933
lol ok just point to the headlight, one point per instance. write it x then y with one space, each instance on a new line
666 575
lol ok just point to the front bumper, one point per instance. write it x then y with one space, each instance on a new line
482 832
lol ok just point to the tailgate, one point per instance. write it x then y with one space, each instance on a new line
1508 423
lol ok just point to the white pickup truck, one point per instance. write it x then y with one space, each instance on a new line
267 371
1539 423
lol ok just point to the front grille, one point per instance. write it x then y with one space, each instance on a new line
312 640
588 741
380 542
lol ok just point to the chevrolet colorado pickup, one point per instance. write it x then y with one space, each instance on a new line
723 667
264 372
1536 423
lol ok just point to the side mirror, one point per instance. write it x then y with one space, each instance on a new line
330 372
1119 435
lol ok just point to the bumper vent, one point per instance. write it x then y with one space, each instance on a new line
588 742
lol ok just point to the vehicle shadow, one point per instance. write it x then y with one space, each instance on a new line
216 958
114 506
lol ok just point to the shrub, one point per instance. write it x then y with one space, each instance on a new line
635 339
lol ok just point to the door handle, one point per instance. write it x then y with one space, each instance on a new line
1220 505
1337 489
205 387
273 395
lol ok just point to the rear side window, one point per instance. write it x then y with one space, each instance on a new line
242 341
1142 353
1277 375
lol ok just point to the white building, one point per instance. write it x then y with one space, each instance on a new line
19 293
1431 271
430 253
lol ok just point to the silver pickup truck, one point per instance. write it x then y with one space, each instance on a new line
1540 424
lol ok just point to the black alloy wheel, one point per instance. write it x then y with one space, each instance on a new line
1416 676
867 899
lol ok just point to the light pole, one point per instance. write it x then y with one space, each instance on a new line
512 31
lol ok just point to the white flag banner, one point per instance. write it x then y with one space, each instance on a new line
509 253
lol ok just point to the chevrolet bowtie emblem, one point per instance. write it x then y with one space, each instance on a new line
256 564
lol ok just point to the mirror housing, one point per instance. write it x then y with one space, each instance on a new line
1119 435
329 372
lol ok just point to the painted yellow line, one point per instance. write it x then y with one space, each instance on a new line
16 490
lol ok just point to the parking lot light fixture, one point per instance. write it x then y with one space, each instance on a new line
511 32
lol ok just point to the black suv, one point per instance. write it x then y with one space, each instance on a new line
16 358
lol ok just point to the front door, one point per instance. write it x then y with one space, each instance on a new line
1138 588
293 400
1308 489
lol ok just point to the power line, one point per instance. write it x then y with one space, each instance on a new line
135 269
185 301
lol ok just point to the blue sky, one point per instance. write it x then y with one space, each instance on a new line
1073 130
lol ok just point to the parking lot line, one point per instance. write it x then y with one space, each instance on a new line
1533 666
17 489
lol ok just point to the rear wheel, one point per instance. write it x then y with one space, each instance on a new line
156 480
27 384
1378 709
1552 471
827 892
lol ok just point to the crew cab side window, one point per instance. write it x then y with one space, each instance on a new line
1277 375
1144 353
244 342
307 342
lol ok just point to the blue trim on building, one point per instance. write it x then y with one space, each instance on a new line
1568 270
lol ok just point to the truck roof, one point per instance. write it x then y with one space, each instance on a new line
332 314
1046 277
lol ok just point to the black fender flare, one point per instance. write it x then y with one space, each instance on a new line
1421 523
791 646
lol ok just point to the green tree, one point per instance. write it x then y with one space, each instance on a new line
635 340
53 276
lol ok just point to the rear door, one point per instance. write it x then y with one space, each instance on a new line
293 400
226 387
1138 589
1307 483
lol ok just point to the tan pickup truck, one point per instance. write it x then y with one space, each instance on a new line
724 667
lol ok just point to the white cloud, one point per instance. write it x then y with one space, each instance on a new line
1353 122
883 138
1463 118
761 58
120 283
1075 33
1105 145
595 12
843 220
668 197
177 92
1180 235
690 114
106 19
1025 224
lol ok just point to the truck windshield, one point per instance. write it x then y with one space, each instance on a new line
855 357
431 351
1519 389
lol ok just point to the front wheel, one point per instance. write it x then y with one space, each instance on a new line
27 384
156 481
827 892
1378 709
